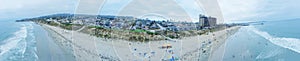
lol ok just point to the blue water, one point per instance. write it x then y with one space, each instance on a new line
27 41
273 41
17 42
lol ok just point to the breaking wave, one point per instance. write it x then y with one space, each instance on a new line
20 46
289 43
12 42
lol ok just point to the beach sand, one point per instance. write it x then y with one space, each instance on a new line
48 50
218 51
89 48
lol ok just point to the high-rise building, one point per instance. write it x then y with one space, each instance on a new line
205 21
202 18
212 21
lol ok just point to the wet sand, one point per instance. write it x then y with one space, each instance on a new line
47 49
218 51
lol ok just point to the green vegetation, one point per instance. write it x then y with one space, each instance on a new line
138 34
53 23
138 30
66 26
131 35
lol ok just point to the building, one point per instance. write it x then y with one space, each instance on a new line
202 18
205 21
212 21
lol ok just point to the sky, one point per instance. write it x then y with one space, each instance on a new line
232 10
17 9
259 10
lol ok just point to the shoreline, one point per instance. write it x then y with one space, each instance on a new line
111 49
49 50
219 51
210 43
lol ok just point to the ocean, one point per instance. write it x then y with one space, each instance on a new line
272 41
27 41
17 41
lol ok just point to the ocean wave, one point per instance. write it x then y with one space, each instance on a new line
13 41
289 43
32 42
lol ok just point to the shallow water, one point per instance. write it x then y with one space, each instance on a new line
27 41
273 41
17 41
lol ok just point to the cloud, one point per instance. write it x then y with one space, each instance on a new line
181 10
237 9
184 10
178 10
191 7
232 10
32 8
112 7
256 10
89 6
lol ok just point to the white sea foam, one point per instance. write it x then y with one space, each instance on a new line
21 47
29 30
289 43
32 42
35 55
13 41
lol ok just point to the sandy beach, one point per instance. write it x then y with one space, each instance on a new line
48 50
89 48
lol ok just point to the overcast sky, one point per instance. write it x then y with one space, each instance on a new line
265 10
232 10
16 9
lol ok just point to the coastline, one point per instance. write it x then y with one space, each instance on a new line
48 44
218 52
90 48
48 50
210 43
69 44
